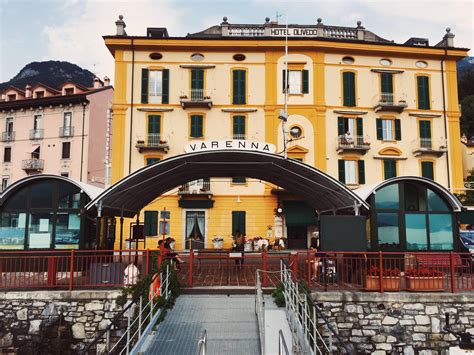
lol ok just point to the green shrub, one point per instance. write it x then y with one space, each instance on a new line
278 296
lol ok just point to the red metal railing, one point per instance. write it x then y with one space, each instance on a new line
370 271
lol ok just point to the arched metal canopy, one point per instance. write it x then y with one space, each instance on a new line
132 193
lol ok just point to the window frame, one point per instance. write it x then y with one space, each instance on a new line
245 118
433 164
190 115
232 70
355 88
384 161
159 98
418 75
64 144
5 149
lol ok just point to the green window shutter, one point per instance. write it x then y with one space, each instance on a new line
154 123
305 80
151 223
398 130
150 161
379 129
348 82
197 79
144 86
238 222
342 171
284 81
196 126
389 169
166 86
360 127
423 92
340 126
425 129
427 170
387 83
239 180
239 125
361 166
239 87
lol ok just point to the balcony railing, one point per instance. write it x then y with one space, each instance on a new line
429 146
36 133
196 98
196 187
32 164
238 136
153 142
387 102
8 136
353 143
67 131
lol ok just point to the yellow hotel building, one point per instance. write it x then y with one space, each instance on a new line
361 108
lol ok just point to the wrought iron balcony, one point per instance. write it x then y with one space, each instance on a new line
387 102
36 133
359 144
32 164
428 146
67 131
196 98
8 136
196 187
152 143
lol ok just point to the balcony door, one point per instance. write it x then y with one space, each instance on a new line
195 229
197 84
425 133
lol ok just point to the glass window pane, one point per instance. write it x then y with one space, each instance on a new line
12 230
441 231
17 201
415 197
69 196
436 203
387 197
68 226
165 214
416 231
387 225
294 79
155 83
42 194
164 227
40 230
350 171
387 128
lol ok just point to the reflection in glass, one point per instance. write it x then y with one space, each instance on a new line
387 224
387 197
415 198
68 227
416 232
40 230
42 194
441 231
436 203
12 230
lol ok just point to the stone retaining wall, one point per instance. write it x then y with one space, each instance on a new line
53 322
394 323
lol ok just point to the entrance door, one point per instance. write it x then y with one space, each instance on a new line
195 229
297 237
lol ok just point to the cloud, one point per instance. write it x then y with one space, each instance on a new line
79 38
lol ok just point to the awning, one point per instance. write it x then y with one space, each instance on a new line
299 213
466 217
196 203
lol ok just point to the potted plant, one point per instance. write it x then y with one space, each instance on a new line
390 279
218 243
424 279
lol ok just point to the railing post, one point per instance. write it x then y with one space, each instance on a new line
453 272
71 267
167 280
52 270
128 331
295 265
147 261
264 267
160 256
380 271
190 276
140 317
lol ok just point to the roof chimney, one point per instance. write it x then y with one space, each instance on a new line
28 92
449 38
120 23
106 81
97 83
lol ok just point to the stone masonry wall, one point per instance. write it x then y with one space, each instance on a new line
53 322
398 323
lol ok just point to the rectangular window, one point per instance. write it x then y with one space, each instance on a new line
351 171
441 231
423 83
12 97
239 87
154 129
165 222
7 155
238 127
67 119
155 90
348 84
239 180
68 230
150 161
387 229
195 229
238 222
389 169
13 225
69 91
9 125
5 182
40 230
350 129
425 134
66 151
37 122
298 82
386 85
427 169
151 223
417 238
196 129
39 94
388 129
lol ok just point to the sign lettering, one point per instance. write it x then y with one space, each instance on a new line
294 32
236 144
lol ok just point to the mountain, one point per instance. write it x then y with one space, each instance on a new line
465 69
51 73
465 64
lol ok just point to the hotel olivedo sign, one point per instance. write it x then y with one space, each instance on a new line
236 144
294 32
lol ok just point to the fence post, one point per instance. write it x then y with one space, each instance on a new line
380 272
147 261
264 267
52 270
190 276
295 265
453 272
71 275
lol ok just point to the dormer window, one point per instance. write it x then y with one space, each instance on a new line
39 94
69 91
12 97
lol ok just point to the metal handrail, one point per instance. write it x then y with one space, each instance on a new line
202 343
260 310
282 344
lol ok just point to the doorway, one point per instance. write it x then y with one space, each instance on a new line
195 229
297 237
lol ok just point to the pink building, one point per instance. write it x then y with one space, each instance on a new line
64 131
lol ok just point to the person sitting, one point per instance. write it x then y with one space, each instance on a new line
348 137
239 241
171 254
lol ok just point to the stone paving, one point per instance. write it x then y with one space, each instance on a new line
230 322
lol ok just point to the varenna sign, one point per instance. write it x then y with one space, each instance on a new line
237 144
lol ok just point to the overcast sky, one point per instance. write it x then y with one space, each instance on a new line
37 30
